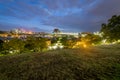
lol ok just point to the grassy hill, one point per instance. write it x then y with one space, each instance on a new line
94 63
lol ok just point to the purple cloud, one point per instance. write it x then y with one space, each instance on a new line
68 15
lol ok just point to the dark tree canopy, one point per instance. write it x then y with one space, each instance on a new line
36 44
111 30
56 31
1 44
91 39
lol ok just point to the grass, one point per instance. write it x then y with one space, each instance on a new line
94 63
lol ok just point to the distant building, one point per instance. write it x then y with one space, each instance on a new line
21 31
69 33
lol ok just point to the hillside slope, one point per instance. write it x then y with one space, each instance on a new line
100 63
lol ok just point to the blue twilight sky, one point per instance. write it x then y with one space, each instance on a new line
67 15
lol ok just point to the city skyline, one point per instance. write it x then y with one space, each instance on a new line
66 15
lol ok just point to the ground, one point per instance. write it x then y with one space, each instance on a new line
90 63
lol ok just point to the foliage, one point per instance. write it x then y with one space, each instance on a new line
54 40
56 31
94 63
111 30
91 39
68 42
16 45
40 44
1 45
35 44
30 43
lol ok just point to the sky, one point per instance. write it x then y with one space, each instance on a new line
66 15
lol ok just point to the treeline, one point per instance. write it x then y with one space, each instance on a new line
30 44
39 44
111 29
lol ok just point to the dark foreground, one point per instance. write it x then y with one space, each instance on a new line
100 63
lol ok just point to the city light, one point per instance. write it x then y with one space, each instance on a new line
84 45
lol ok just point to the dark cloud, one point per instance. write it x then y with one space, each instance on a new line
106 7
21 9
68 15
4 26
90 18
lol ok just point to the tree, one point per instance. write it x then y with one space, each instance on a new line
54 40
111 30
56 31
91 39
35 44
68 43
1 45
40 44
30 43
15 45
64 41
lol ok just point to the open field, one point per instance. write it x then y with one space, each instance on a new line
94 63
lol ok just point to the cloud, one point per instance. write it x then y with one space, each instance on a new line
21 9
7 27
89 18
106 7
68 15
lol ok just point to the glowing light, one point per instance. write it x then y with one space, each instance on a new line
84 45
30 32
61 47
104 41
55 47
118 40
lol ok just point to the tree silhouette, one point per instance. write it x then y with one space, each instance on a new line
15 45
111 30
1 45
56 31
